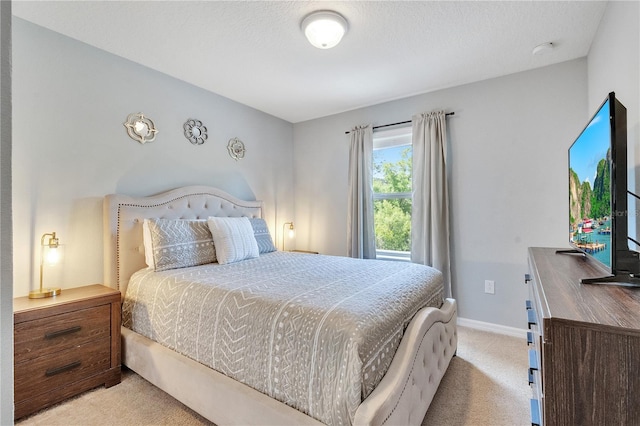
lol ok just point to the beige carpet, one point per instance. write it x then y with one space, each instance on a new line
486 384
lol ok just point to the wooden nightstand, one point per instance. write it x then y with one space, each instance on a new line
65 345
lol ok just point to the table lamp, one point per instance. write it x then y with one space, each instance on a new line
52 256
291 232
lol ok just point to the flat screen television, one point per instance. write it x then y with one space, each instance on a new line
598 214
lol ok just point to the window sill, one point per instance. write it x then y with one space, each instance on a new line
396 256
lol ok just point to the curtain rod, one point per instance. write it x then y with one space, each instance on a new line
395 124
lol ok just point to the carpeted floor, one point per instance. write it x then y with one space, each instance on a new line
486 384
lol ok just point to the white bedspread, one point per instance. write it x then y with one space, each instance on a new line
315 332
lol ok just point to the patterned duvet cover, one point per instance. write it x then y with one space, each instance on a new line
315 332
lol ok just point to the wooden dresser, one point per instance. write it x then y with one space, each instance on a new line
65 345
585 344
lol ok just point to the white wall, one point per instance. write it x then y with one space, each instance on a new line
71 148
6 279
508 185
613 65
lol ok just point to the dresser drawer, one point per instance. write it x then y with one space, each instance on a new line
46 373
33 339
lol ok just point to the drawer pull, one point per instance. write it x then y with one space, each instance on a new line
53 371
529 338
59 333
527 278
531 318
532 378
527 304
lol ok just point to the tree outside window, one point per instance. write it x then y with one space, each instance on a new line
392 196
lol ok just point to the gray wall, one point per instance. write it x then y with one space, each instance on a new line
508 178
508 143
6 266
71 148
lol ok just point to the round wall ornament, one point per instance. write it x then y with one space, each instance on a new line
236 149
195 131
140 128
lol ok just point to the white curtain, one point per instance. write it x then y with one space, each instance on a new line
430 211
360 231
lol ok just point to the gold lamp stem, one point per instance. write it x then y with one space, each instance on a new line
291 228
53 243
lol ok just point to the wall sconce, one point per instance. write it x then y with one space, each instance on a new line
140 128
291 234
51 255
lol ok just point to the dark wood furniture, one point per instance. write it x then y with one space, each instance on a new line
585 356
65 345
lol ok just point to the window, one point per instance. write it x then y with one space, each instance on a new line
392 193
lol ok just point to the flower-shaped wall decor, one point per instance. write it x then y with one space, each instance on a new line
195 131
236 149
140 128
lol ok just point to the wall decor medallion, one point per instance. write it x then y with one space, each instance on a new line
236 149
140 128
195 131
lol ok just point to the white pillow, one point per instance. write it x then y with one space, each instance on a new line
148 245
233 238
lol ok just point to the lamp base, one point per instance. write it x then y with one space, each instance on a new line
44 292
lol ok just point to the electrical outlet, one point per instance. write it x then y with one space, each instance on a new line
489 287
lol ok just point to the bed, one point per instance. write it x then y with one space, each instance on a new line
397 393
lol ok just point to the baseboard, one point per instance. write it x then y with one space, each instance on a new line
494 328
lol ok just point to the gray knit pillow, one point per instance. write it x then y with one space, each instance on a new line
179 243
263 238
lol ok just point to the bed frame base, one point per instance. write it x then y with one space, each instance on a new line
402 397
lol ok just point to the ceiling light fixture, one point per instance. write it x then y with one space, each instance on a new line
324 29
543 48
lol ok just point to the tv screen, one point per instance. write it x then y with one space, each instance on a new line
590 186
598 194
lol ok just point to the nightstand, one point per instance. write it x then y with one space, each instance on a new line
65 345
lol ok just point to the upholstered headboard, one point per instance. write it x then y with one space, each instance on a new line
124 214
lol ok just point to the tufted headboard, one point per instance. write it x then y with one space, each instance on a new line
124 214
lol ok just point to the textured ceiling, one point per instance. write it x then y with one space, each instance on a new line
255 53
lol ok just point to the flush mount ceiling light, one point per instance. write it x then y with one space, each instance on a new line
324 29
543 48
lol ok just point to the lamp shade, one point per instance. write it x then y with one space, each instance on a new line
324 29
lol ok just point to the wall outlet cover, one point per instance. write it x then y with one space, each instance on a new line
489 287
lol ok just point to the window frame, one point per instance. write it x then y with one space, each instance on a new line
391 138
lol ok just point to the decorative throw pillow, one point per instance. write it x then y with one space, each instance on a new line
233 238
263 238
179 243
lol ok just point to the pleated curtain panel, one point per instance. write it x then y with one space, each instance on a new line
361 237
430 211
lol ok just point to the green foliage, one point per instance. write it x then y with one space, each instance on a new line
392 217
600 196
396 177
585 200
591 202
393 225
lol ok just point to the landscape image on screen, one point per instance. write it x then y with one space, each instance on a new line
590 189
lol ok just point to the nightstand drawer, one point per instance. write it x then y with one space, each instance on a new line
49 372
36 338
